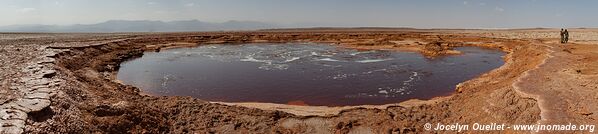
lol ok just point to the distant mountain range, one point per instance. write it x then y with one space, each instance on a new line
142 26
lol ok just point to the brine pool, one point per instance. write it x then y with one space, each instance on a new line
303 73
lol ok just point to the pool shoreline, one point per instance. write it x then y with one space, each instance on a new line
195 57
470 95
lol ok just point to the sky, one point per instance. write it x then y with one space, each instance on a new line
312 13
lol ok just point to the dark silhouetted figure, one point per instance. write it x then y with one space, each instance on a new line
562 36
566 36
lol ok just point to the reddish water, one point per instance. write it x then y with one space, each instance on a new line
303 74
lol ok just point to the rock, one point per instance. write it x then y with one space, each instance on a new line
54 83
51 54
12 123
121 105
27 79
38 87
10 129
459 88
31 70
42 47
10 114
38 82
37 95
43 90
13 105
48 73
35 66
33 104
46 60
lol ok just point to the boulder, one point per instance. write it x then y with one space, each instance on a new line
33 104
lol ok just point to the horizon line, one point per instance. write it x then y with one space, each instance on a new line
282 26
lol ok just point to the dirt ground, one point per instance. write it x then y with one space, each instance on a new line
65 83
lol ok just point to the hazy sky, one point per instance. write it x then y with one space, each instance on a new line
391 13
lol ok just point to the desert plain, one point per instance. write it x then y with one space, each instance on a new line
65 83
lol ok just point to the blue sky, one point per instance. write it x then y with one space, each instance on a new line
387 13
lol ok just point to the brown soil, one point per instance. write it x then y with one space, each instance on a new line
540 82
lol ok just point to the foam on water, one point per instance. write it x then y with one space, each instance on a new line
314 53
292 59
249 58
329 59
373 60
364 52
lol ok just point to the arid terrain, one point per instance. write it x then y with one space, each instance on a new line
65 83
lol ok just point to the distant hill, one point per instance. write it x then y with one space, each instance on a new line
142 26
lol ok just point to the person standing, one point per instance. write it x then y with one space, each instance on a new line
566 36
562 36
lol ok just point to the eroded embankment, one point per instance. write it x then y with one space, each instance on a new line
562 90
33 92
91 100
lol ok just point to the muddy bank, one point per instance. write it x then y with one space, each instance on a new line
89 99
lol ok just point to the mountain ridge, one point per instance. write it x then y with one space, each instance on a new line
142 26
